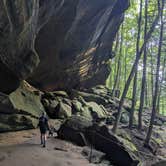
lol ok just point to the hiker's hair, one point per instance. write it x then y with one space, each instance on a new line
43 114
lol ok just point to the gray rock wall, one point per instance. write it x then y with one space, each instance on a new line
73 40
76 42
18 22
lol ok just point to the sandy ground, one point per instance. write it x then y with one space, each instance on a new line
24 149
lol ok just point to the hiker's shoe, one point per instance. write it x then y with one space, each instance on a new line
44 146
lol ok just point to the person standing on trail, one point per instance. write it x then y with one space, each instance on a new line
44 127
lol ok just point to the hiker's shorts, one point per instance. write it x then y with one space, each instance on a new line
43 130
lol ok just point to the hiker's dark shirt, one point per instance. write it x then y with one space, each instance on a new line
43 124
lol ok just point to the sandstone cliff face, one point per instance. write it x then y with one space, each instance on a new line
18 22
21 109
73 41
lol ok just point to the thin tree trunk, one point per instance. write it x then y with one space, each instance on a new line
117 77
125 68
120 65
146 93
152 82
135 77
112 72
142 96
160 87
116 59
158 101
149 133
134 100
132 72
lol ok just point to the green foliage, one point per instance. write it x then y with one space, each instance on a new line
126 50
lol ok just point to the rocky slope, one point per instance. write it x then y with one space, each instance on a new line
59 45
76 42
85 118
73 41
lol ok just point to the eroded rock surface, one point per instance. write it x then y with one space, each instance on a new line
75 43
20 110
81 131
18 25
73 40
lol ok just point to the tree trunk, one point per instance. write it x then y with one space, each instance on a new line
132 72
142 96
152 82
135 77
149 133
160 86
117 76
134 99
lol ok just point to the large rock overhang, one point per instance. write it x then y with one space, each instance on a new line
75 43
18 27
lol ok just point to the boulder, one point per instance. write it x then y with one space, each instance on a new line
86 113
81 131
76 40
162 118
64 110
15 122
158 122
77 105
57 106
101 90
111 145
73 128
55 124
124 117
99 110
48 95
110 120
20 110
60 93
90 97
88 109
57 44
25 100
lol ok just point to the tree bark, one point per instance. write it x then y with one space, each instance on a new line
132 72
143 87
118 74
135 76
160 86
149 133
152 82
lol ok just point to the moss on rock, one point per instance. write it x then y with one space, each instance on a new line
25 100
64 110
21 109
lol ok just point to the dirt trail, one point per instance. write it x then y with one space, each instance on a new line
23 149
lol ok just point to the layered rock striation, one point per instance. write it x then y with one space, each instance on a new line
75 43
20 110
72 39
18 27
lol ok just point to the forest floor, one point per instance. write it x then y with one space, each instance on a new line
157 149
23 149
